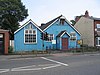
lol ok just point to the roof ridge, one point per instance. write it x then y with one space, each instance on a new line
54 18
50 22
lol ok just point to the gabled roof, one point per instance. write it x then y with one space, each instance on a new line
62 33
27 24
50 23
96 18
86 16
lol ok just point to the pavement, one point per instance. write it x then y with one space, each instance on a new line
46 55
51 64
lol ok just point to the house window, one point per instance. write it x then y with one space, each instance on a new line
30 36
73 36
62 21
98 41
98 27
30 26
50 37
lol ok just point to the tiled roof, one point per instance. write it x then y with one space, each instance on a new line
90 17
48 23
96 18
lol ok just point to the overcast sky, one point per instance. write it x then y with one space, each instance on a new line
42 11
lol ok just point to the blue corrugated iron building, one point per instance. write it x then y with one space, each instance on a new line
61 36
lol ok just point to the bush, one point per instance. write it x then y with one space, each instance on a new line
10 49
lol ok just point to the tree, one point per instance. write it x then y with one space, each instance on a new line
11 13
72 22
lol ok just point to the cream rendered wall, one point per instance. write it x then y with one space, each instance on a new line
86 27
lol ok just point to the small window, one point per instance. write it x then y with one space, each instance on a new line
98 41
98 27
73 36
34 32
26 31
50 37
30 31
62 21
30 26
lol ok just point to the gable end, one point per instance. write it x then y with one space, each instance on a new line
26 25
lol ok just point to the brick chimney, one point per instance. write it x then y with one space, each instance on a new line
86 14
77 18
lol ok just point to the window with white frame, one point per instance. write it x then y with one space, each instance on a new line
98 27
50 37
73 36
62 21
98 41
30 36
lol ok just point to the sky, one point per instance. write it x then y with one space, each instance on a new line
42 11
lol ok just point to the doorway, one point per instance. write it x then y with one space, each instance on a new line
64 43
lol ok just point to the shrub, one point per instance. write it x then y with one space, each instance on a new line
10 49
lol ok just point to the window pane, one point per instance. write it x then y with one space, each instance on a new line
26 31
30 31
72 34
98 25
73 38
99 42
34 32
30 37
62 21
96 41
98 29
50 37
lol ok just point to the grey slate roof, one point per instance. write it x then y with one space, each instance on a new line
90 17
48 23
96 18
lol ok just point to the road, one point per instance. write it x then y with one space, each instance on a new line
52 65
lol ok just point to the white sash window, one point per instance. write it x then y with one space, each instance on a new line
30 36
73 36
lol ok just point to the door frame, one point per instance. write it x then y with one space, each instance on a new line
67 42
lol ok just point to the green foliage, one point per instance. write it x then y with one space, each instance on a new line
10 49
11 13
72 22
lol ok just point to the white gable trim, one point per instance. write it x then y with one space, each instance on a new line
50 25
64 33
27 24
72 26
67 22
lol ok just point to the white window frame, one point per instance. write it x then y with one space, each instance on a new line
97 27
73 36
98 38
49 37
28 33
